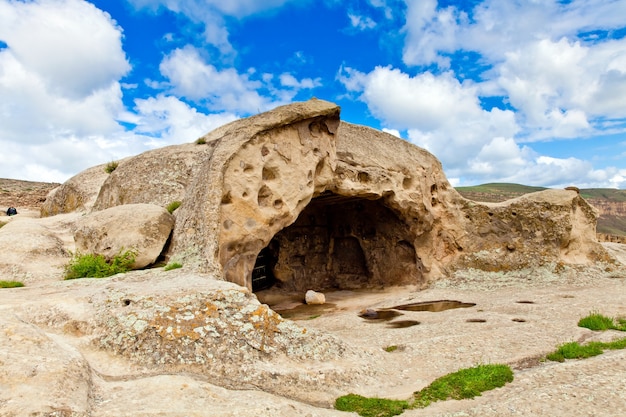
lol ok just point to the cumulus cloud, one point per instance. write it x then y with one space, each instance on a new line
59 84
74 48
169 120
190 76
475 145
552 65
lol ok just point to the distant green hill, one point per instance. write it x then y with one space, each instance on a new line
610 202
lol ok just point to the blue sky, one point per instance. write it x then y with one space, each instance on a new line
499 90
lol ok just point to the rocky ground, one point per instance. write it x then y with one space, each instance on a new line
51 365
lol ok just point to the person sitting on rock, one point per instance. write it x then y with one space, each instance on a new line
11 211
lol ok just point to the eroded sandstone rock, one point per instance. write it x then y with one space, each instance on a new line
219 330
39 375
545 227
143 228
31 246
79 193
328 204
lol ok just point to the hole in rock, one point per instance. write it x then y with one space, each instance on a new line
382 314
476 321
339 243
402 324
434 306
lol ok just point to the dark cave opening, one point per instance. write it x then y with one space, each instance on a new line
338 243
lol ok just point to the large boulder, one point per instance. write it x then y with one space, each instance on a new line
79 193
143 228
34 249
551 226
314 202
160 176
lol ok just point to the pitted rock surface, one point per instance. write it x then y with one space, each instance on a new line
336 205
223 333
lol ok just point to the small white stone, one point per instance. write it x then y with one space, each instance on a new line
312 297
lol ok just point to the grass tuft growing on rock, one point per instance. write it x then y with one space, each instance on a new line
171 207
574 350
172 265
463 384
2 223
111 166
97 266
594 321
10 284
597 321
371 407
201 141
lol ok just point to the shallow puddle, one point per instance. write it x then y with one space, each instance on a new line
306 311
379 315
433 306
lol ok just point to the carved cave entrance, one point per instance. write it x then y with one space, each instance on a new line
339 242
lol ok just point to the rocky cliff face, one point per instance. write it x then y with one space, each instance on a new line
609 208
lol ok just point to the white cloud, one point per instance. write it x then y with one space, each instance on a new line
383 4
210 13
171 121
394 132
74 48
190 76
59 83
475 145
288 80
361 22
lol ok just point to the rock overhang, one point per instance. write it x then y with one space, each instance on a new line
246 182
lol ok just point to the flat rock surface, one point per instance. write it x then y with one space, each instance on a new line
517 319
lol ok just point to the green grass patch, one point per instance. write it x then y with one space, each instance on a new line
10 284
599 322
371 407
594 321
111 166
201 141
172 265
171 207
97 266
574 350
391 348
463 384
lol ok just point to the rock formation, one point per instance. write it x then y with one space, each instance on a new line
334 205
296 196
141 228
